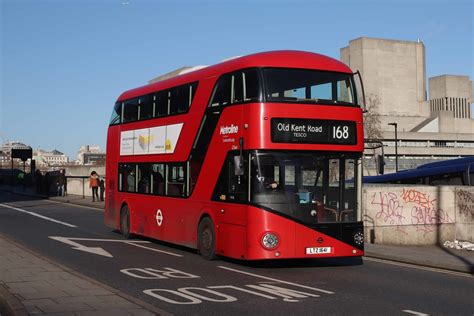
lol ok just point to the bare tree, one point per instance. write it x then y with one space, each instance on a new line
372 123
372 132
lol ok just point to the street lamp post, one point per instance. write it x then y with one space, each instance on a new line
396 145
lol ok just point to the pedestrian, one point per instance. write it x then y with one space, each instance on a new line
61 182
38 181
94 185
101 189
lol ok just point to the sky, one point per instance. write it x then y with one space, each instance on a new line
63 63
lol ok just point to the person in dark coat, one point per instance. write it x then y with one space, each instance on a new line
38 181
101 189
61 182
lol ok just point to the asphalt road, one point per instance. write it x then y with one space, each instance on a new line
179 281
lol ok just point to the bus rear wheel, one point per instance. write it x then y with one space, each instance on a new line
125 222
206 239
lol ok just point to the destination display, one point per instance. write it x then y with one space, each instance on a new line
285 130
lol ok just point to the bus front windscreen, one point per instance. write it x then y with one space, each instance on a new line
306 187
309 86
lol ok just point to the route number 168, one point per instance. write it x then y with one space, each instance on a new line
340 132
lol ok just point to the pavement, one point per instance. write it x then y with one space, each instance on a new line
31 284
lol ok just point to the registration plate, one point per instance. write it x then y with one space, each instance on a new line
318 250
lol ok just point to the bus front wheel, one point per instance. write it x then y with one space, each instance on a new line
125 222
206 239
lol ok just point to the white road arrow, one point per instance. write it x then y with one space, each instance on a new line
100 251
95 250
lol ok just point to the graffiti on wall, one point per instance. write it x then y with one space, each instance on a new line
465 204
408 207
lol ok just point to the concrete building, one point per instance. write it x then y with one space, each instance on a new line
6 151
451 95
90 155
7 147
392 70
50 158
394 73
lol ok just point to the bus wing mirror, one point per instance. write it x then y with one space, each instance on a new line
238 166
359 85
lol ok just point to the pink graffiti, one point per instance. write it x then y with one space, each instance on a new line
390 210
417 197
427 219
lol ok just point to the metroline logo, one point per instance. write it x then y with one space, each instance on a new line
226 130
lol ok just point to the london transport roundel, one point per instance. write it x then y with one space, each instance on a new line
159 217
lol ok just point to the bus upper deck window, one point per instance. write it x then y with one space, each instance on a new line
130 110
116 116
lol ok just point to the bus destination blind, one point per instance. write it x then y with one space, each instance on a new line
306 131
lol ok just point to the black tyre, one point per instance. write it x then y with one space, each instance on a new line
125 222
206 239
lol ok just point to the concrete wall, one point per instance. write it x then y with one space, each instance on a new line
418 215
450 86
76 186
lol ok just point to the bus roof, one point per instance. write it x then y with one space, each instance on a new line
283 59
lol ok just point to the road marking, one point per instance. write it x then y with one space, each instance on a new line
276 280
156 250
414 266
414 313
77 246
100 251
38 215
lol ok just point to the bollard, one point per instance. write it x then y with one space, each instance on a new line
83 188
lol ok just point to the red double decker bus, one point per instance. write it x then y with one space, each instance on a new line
254 158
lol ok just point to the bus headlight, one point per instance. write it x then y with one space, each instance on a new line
270 241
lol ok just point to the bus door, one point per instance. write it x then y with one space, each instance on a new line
231 214
110 188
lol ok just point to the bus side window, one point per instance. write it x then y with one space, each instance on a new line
116 116
127 178
130 110
146 110
144 178
160 103
179 99
237 92
222 92
157 179
251 85
176 180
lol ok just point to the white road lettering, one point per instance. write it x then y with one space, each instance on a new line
242 290
189 299
38 215
414 313
227 298
154 274
276 280
287 294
